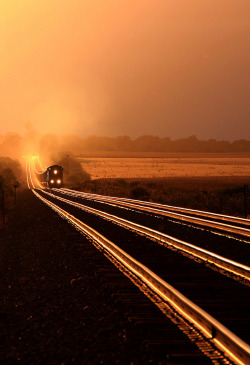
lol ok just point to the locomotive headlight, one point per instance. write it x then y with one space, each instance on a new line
55 172
58 181
52 181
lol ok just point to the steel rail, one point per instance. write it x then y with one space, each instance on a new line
37 172
34 167
27 175
32 170
207 256
221 217
223 339
222 227
30 177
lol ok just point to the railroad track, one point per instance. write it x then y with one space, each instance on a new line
218 261
231 225
237 248
217 342
217 337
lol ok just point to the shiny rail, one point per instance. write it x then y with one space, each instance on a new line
197 252
220 217
227 229
35 158
31 177
227 342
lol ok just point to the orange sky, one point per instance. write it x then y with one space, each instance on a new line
114 67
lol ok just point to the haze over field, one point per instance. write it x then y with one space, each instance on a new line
162 67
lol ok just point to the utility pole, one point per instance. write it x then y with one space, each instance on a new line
246 192
16 185
3 208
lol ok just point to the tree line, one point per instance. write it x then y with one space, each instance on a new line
149 143
15 146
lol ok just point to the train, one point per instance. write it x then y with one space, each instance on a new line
52 177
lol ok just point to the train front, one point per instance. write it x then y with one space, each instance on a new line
54 176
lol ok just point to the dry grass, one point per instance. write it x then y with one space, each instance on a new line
173 165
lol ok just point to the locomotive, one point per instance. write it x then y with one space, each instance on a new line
52 177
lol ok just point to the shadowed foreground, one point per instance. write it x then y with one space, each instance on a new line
55 309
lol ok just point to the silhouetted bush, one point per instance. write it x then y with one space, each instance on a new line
139 193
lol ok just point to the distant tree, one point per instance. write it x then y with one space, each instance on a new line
241 145
147 143
123 143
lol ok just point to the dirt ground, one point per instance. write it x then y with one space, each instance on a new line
55 308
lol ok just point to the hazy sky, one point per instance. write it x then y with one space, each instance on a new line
126 67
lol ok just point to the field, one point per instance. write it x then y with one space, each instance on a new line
212 182
167 165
